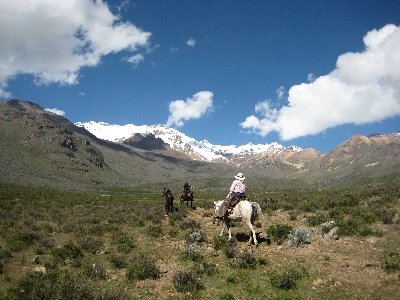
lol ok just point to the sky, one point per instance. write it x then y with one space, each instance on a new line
305 73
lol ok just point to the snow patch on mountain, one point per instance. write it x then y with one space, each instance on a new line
179 141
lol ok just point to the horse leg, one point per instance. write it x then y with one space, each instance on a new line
252 233
228 225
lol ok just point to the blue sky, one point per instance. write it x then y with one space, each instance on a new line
304 73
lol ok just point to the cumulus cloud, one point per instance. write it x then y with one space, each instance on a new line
363 88
191 42
53 39
193 108
55 111
136 59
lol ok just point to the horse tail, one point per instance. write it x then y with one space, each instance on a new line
256 208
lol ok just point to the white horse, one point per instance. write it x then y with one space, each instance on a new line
244 211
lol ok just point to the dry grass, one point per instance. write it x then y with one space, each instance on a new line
117 247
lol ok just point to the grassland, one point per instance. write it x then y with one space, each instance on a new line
119 244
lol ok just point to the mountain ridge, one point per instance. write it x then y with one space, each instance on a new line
198 150
42 148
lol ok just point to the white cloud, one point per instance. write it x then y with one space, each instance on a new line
54 39
193 108
310 77
280 92
191 42
56 111
363 88
136 59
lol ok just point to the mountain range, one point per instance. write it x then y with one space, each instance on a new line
41 148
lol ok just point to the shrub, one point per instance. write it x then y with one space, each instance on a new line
287 279
190 224
299 237
95 271
391 261
124 243
226 296
316 219
206 269
196 237
230 249
219 242
118 261
142 267
246 260
347 227
237 277
279 232
191 252
327 226
21 240
154 231
90 244
177 216
69 250
187 282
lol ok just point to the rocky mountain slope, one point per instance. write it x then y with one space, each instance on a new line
41 148
197 150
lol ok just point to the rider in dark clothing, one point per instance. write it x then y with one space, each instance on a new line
186 187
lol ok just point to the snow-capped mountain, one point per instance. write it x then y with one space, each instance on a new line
202 150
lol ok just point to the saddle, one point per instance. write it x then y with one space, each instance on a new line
234 201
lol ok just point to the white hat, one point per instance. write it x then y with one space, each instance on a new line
240 176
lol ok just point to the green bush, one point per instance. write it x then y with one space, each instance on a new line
349 227
190 224
279 232
124 243
21 240
317 219
95 271
231 249
237 277
287 279
142 267
391 261
246 260
90 244
219 242
118 261
69 250
226 296
187 282
206 269
154 231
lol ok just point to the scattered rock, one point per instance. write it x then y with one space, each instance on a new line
333 233
211 252
318 281
40 270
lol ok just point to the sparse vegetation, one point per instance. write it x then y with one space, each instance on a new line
58 245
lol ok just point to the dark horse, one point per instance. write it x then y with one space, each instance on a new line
168 201
186 196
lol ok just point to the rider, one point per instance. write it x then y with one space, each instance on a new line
186 188
236 193
238 189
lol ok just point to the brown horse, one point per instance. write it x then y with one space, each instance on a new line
168 201
186 196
